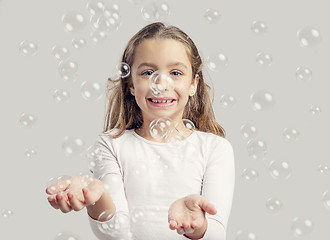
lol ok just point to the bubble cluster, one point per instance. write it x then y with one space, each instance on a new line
303 74
61 95
212 15
160 82
250 175
74 21
155 11
302 227
308 36
259 27
257 149
62 180
280 169
28 48
27 120
274 205
92 91
216 61
262 100
73 146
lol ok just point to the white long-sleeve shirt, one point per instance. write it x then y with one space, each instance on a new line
144 178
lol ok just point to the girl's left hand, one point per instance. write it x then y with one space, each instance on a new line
187 215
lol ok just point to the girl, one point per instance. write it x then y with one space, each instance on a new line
145 185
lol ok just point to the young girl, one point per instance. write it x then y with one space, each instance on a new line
148 188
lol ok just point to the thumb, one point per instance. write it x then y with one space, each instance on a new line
207 206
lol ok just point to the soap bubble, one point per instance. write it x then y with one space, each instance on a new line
302 227
30 152
100 23
315 110
262 100
68 69
212 15
91 90
264 59
326 199
249 131
259 27
243 235
155 11
216 61
291 133
140 168
250 175
227 101
78 42
6 213
98 36
160 82
95 160
66 236
303 74
322 168
159 128
274 204
280 169
138 215
28 48
60 53
27 120
59 179
308 36
188 124
114 223
73 21
122 70
95 7
61 95
72 146
257 149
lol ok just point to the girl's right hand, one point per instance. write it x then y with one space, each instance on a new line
75 193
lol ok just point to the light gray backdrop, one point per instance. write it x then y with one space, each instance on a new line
29 82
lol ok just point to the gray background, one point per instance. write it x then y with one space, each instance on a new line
28 83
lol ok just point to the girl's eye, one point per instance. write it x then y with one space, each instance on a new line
147 73
176 73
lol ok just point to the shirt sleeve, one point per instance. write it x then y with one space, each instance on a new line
218 188
108 170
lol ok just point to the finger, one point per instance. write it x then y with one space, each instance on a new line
75 204
52 202
63 205
186 226
207 206
173 224
180 230
88 197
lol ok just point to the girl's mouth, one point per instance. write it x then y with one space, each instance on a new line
161 102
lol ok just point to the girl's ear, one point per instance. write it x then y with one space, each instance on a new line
132 90
194 85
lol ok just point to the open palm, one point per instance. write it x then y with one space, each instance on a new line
188 214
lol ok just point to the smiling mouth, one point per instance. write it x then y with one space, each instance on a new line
161 101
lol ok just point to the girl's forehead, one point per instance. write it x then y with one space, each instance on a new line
161 50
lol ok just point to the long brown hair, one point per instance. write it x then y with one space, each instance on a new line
124 113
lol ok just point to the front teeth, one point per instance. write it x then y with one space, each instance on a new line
161 101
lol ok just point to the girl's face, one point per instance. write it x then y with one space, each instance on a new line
168 56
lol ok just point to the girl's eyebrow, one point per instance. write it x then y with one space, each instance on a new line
146 64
